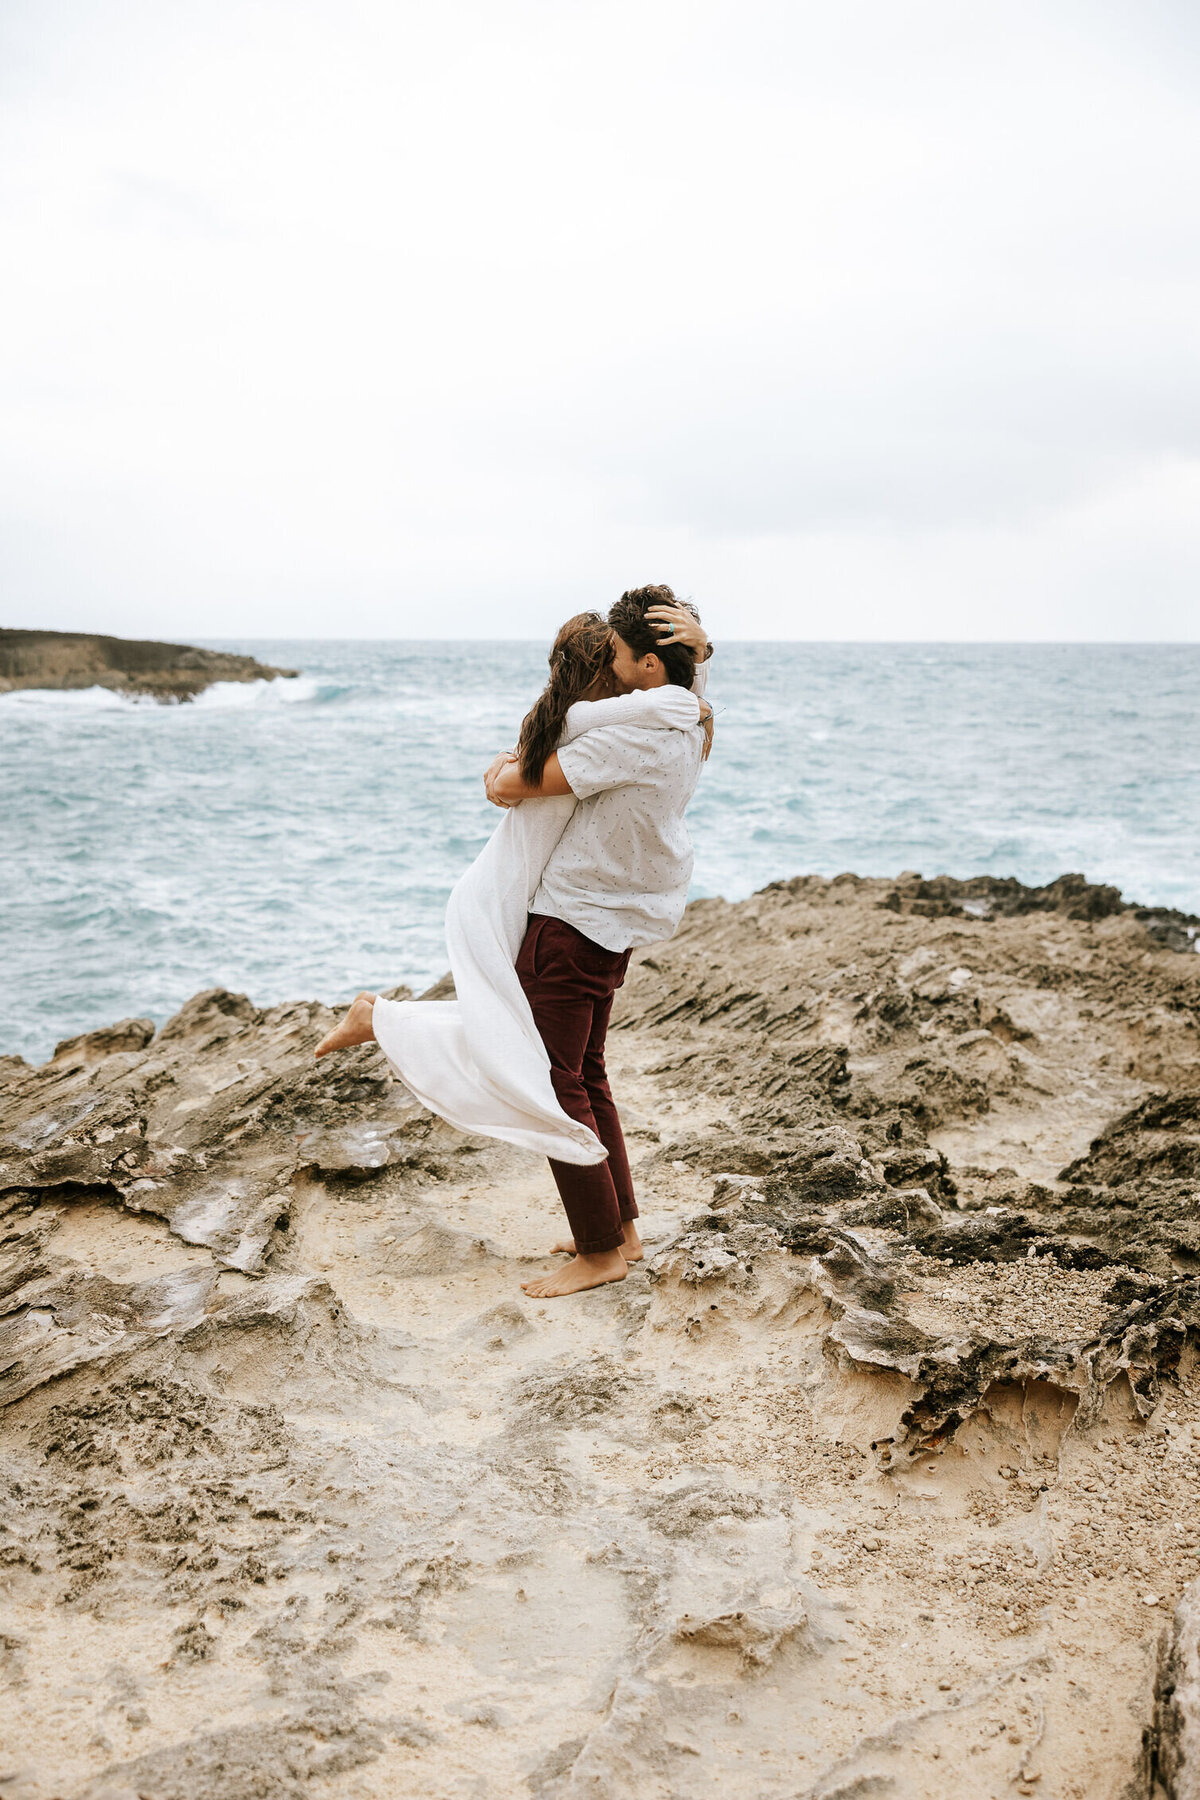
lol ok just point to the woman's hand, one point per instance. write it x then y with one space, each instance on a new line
706 724
678 625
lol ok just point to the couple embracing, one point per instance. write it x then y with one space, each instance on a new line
591 860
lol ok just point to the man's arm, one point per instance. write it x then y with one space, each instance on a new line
506 786
616 756
679 625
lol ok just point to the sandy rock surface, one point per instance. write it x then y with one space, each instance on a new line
881 1476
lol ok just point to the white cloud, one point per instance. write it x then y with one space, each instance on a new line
876 320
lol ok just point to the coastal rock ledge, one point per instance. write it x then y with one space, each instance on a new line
880 1477
72 659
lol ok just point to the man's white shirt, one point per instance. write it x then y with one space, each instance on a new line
621 870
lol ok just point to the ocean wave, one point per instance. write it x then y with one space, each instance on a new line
90 699
276 690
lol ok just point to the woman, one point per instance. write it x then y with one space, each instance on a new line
478 1061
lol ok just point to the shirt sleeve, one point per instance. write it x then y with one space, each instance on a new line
701 681
663 708
612 756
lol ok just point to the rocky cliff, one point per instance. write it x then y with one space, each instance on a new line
880 1477
71 659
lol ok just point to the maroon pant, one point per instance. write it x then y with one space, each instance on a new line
569 982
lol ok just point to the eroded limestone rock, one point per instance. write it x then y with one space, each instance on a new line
880 1476
207 1122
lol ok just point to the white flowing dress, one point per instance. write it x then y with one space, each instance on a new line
478 1061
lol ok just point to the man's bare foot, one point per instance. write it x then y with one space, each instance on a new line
355 1028
580 1273
631 1249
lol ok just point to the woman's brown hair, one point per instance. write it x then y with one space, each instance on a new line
582 653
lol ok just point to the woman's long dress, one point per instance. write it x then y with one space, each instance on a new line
478 1060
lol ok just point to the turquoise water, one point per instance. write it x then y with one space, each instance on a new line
299 839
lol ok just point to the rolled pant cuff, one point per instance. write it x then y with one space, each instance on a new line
612 1240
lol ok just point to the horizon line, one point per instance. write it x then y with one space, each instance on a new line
200 638
890 643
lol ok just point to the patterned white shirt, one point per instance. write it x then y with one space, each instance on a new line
620 871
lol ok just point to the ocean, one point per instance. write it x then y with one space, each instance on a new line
298 838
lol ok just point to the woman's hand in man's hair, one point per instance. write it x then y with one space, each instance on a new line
679 625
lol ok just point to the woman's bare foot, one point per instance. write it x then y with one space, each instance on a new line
631 1249
580 1273
355 1028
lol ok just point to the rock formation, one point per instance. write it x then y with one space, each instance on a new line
880 1477
73 659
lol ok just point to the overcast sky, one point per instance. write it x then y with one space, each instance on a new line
865 318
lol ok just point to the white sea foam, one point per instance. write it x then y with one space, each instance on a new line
277 690
90 699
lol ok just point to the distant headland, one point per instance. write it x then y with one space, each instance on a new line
75 659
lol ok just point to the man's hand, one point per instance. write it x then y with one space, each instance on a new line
509 787
492 773
678 625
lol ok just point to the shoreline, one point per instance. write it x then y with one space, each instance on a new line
984 898
65 661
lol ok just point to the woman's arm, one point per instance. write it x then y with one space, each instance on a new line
662 708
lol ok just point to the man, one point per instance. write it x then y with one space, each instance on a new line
617 879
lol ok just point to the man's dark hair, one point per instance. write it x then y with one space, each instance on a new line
628 620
